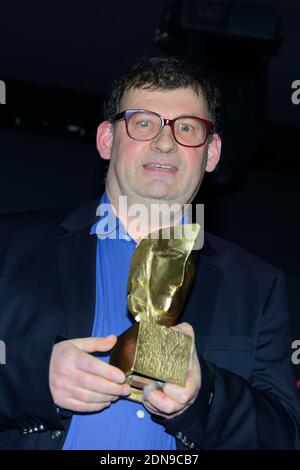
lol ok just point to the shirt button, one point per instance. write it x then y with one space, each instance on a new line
140 414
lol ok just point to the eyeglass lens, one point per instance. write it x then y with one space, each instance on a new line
147 125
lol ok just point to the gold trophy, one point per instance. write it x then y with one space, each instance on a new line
161 274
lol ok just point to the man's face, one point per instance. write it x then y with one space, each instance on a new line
130 172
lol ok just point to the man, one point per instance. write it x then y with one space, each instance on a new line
63 299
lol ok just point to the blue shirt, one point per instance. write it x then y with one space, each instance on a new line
125 424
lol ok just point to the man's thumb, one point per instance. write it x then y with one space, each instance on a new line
90 345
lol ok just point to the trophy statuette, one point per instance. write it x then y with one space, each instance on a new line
160 277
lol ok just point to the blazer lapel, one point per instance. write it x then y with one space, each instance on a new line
76 263
201 305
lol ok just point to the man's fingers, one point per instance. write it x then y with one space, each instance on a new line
87 396
93 365
179 394
73 370
95 383
161 403
82 407
95 344
152 409
184 328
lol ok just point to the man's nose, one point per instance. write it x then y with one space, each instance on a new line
165 141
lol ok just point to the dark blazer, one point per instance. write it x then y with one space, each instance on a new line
237 307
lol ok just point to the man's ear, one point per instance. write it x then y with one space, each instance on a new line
213 153
104 139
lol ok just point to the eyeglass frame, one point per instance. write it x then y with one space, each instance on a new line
127 113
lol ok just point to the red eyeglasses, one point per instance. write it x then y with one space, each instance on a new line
143 125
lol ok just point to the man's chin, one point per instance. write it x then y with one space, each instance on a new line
156 196
157 192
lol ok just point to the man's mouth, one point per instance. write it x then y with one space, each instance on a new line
160 166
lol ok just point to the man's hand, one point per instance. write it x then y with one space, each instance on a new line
80 382
173 400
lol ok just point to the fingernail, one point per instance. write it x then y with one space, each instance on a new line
160 385
119 377
147 390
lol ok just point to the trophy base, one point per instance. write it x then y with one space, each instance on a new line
138 382
149 353
136 395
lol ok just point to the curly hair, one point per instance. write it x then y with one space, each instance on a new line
161 73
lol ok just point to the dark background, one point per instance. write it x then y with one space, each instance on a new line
59 58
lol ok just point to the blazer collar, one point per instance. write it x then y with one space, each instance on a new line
76 264
82 216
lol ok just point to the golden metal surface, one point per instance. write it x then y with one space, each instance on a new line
161 274
147 352
162 354
136 395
